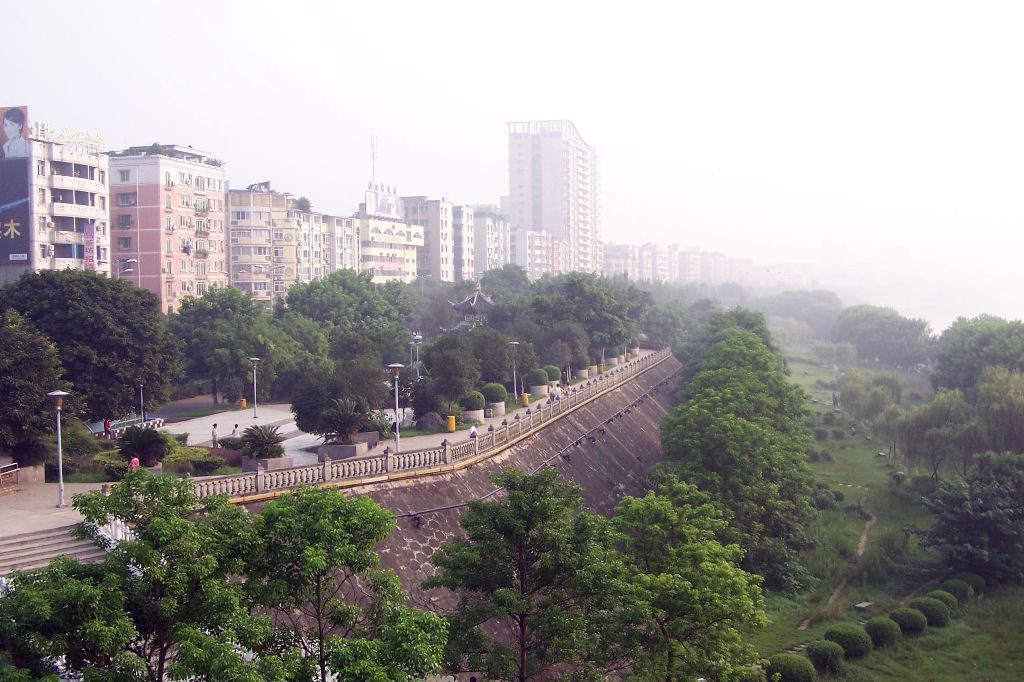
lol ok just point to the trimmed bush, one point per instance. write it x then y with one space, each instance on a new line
262 442
473 401
115 466
748 674
820 435
951 602
976 582
537 377
149 445
960 589
229 443
911 621
182 438
193 461
855 641
883 631
554 374
826 656
933 609
494 393
790 668
77 439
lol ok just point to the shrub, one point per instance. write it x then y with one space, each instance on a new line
343 419
951 602
537 377
826 656
229 443
494 393
748 673
820 435
193 460
911 621
961 589
855 641
263 442
76 439
838 434
790 668
182 439
425 398
934 610
823 499
554 374
149 445
828 419
474 401
115 466
883 631
455 411
381 423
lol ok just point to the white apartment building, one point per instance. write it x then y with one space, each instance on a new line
437 257
554 187
464 235
622 260
492 239
54 204
343 243
531 250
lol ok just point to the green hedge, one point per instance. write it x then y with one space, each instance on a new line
826 656
855 641
961 589
790 668
474 401
910 620
933 609
883 631
197 461
494 393
554 374
951 602
149 445
976 582
537 377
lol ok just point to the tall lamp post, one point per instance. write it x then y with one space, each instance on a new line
515 387
396 368
58 399
124 266
254 361
142 407
417 339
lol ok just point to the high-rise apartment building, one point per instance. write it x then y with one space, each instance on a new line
343 243
554 187
390 245
464 235
275 242
622 260
492 241
531 250
167 216
54 211
436 216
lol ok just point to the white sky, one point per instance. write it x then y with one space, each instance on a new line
882 141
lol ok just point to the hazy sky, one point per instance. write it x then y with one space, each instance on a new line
883 142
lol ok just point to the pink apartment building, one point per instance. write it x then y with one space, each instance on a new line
167 230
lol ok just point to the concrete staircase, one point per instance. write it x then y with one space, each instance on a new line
27 551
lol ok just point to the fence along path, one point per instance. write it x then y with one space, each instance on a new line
451 457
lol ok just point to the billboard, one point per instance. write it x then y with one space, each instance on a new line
382 202
14 187
90 246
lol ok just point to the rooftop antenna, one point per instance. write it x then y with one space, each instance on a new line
373 160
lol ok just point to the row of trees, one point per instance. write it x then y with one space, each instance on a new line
739 436
204 591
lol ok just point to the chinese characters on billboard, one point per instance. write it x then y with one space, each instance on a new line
14 188
382 202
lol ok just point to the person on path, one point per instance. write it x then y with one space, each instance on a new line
472 431
214 435
235 433
107 433
134 463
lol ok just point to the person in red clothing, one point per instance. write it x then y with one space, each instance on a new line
134 463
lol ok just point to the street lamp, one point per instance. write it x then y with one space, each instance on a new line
142 407
58 398
417 339
254 362
124 266
396 368
515 389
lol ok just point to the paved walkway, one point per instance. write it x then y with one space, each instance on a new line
34 507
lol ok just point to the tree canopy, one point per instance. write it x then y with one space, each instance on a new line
884 334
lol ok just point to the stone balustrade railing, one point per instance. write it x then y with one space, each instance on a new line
448 457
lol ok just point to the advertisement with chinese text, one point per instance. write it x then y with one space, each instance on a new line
14 188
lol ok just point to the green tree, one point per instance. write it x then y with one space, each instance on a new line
700 601
508 281
817 309
313 565
454 372
1000 403
940 432
884 334
979 518
110 336
29 369
163 605
542 588
969 345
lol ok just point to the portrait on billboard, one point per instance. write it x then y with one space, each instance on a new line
15 143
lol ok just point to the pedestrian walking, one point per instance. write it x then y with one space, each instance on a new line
235 433
107 432
134 463
214 435
472 431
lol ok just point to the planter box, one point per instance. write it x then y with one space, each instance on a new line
476 416
253 463
611 362
583 374
497 409
621 359
635 351
339 451
592 372
539 390
371 438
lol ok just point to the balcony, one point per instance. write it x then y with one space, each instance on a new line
202 209
201 253
202 229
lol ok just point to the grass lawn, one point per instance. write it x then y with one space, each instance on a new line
203 411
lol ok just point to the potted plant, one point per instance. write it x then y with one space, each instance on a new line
341 421
473 407
261 448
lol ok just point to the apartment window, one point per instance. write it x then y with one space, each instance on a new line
200 267
201 288
103 203
169 267
124 220
279 252
167 201
125 175
169 222
170 289
260 286
183 265
200 183
42 196
167 179
40 167
124 243
278 286
126 198
167 247
278 234
261 251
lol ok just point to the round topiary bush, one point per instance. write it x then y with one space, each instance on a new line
934 610
790 668
494 393
473 401
537 377
855 642
961 589
951 602
748 674
883 631
976 582
554 374
826 656
911 621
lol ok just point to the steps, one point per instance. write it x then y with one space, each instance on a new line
27 551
